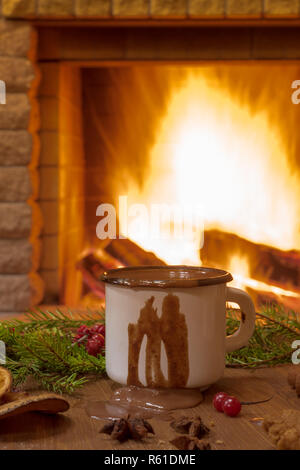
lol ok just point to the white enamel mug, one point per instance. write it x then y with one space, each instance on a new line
166 325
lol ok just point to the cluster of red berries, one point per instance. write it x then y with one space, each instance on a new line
227 404
92 338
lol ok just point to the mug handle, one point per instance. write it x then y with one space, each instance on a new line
243 334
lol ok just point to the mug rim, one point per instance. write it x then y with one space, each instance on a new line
175 276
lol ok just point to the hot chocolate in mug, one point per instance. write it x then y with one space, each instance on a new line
166 325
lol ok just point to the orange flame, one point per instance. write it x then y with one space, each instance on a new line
214 151
240 267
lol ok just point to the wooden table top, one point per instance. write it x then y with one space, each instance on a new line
76 430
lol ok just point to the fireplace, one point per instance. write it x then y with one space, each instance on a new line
175 107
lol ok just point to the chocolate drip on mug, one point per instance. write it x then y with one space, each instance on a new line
171 328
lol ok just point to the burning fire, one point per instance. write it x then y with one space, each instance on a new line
240 267
213 150
219 154
219 138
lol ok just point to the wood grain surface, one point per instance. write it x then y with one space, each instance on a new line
76 430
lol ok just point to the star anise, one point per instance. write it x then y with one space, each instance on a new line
193 426
130 428
190 443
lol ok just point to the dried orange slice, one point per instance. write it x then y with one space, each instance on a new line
5 381
44 402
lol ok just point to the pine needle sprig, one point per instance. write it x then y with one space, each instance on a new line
41 347
51 320
271 342
57 384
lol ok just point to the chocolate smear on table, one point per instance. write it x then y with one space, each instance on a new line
144 403
171 329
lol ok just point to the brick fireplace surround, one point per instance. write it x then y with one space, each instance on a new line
189 30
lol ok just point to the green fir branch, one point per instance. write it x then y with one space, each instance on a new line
41 346
54 320
270 345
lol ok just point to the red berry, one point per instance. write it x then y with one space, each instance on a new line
92 348
218 401
76 338
98 328
231 406
95 344
99 339
83 330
